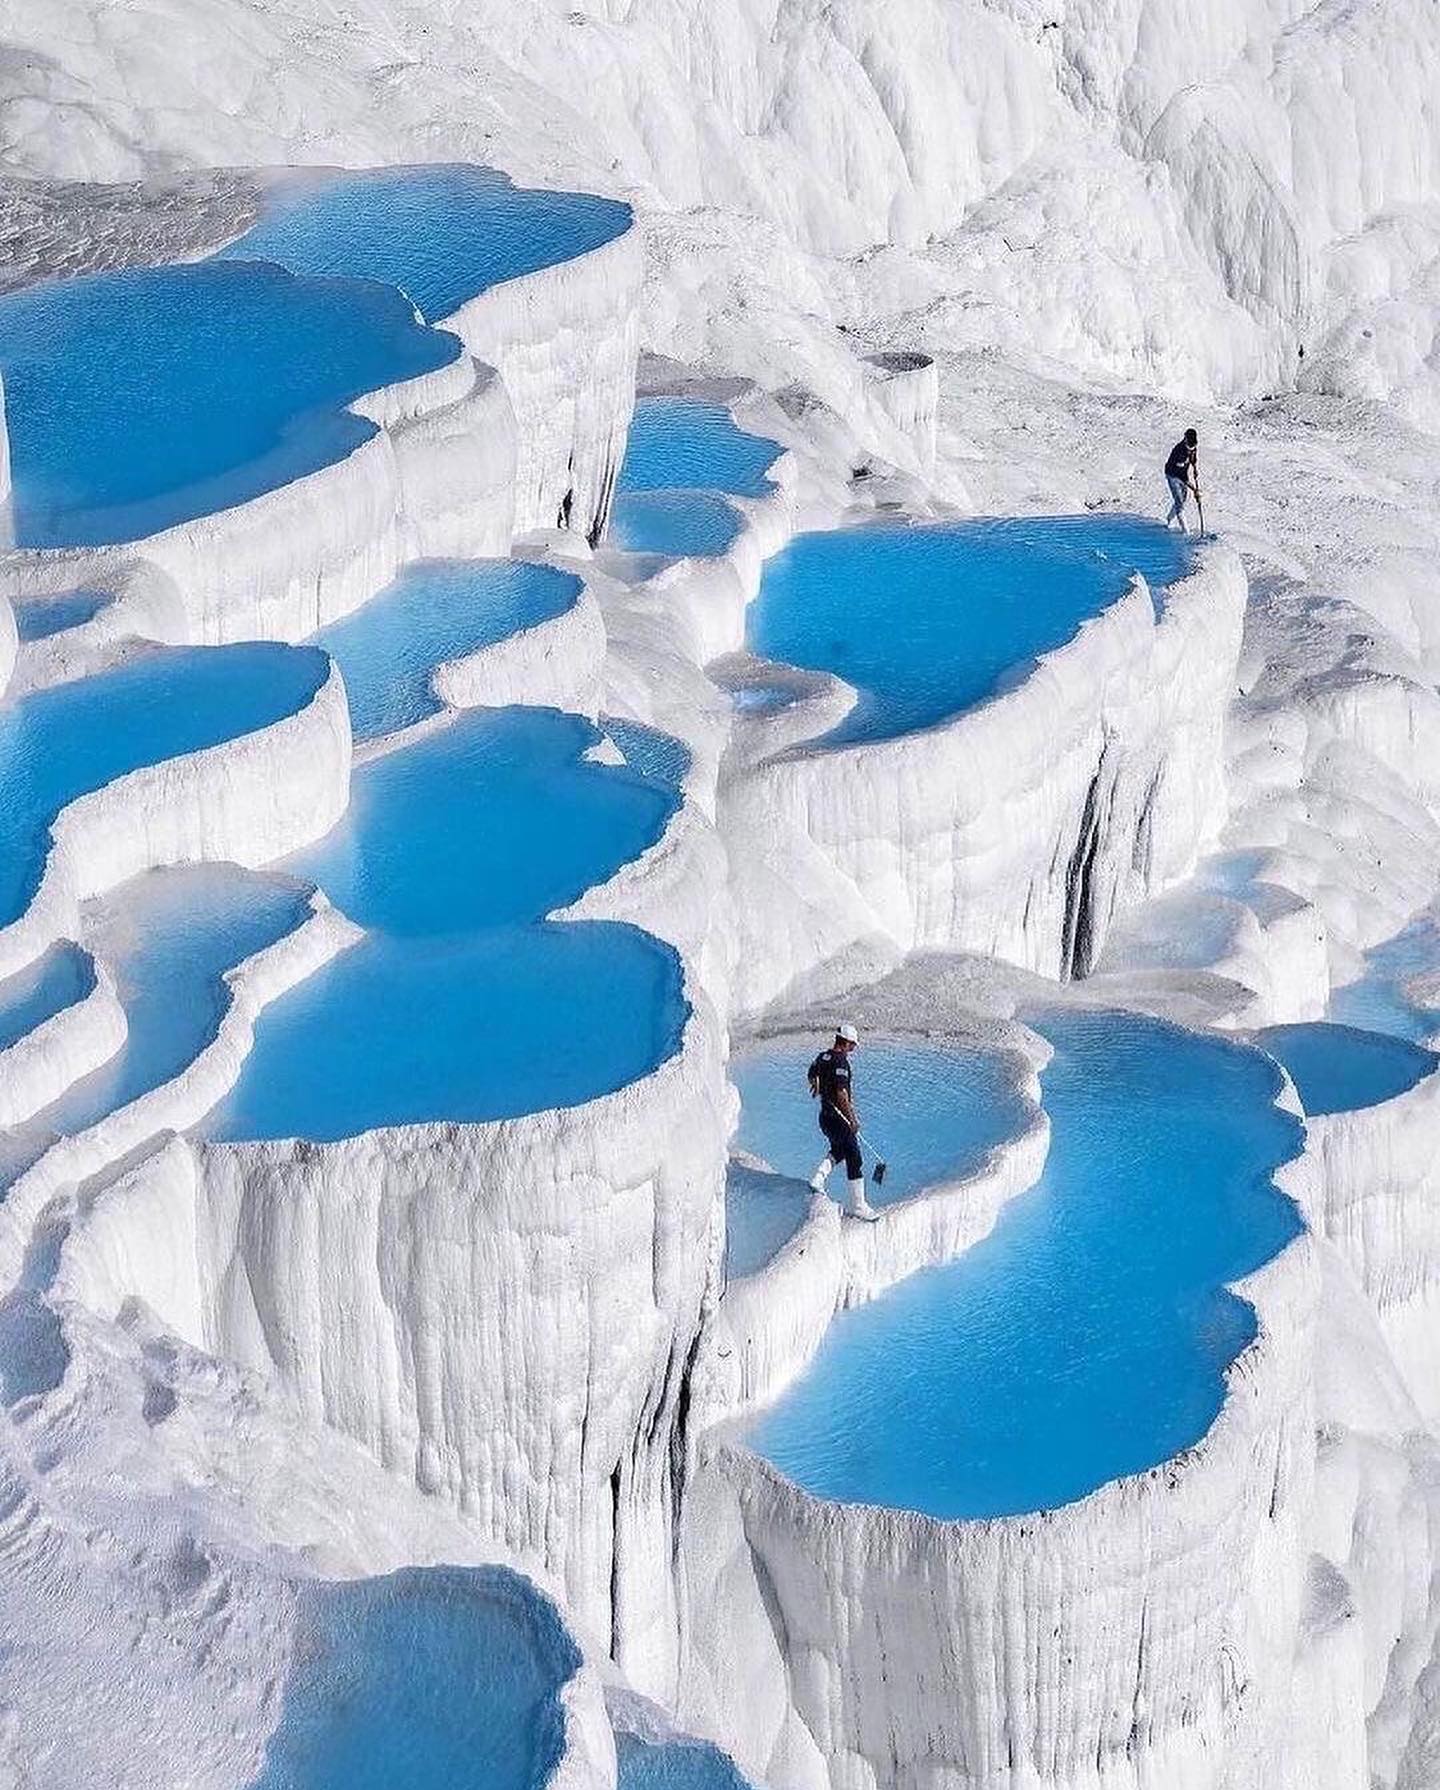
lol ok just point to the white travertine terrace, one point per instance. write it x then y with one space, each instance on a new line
956 238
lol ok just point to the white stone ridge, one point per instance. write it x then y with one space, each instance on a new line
769 1324
141 603
455 463
247 801
907 388
89 1156
9 642
1378 1202
39 1067
1015 1649
504 1314
1019 828
166 1526
565 340
558 663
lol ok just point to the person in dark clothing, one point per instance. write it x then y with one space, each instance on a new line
832 1084
1182 474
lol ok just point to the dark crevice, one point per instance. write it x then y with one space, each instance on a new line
680 1445
614 1560
1080 936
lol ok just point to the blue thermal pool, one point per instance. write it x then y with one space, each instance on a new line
462 1003
436 1678
142 399
37 618
442 233
67 741
936 1113
660 756
1378 1001
56 980
928 620
763 1211
1337 1069
685 444
674 524
172 937
673 1765
435 611
1088 1336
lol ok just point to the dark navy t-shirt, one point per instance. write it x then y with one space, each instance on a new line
831 1073
1182 458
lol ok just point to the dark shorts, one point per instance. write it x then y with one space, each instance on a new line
843 1141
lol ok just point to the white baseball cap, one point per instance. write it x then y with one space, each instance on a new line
848 1033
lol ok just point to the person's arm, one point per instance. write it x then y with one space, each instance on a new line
814 1073
846 1108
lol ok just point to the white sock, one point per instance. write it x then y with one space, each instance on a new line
822 1174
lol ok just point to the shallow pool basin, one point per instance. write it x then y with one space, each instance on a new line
1340 1069
932 1113
65 742
1088 1335
926 620
688 444
435 611
441 232
462 1003
434 1678
142 399
171 938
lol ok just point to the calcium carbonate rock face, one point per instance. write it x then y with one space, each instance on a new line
958 241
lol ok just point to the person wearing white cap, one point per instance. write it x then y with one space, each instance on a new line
830 1083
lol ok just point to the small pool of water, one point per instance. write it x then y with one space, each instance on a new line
674 1765
763 1211
1088 1335
37 618
436 610
683 443
673 524
142 399
442 232
933 1114
1339 1069
660 757
461 1004
62 976
926 620
170 937
64 742
1378 1001
434 1678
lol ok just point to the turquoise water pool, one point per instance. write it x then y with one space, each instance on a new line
37 618
442 233
462 1003
686 444
1087 1337
1339 1068
142 399
927 620
933 1113
673 524
67 741
58 979
434 1678
660 757
1377 1000
674 1765
436 610
763 1211
176 934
